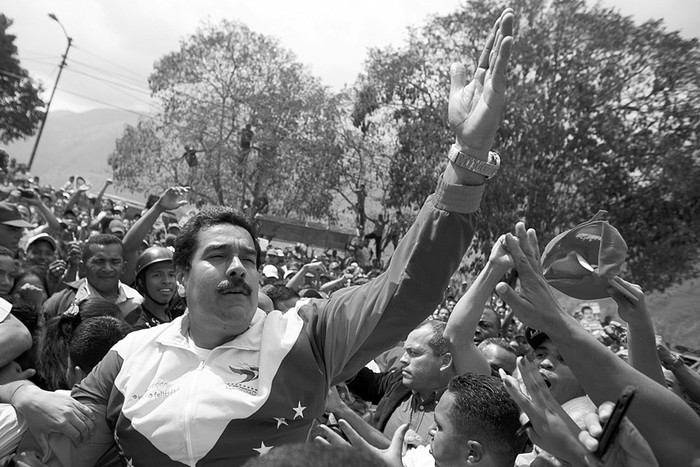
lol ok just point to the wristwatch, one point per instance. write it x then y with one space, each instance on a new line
673 365
487 169
676 364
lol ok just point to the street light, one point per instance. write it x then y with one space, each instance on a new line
48 105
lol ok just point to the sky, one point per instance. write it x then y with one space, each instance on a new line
116 43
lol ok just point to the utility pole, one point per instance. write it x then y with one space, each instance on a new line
48 105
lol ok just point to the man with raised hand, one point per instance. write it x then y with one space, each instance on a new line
663 419
226 382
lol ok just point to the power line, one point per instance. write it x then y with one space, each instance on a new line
139 82
138 75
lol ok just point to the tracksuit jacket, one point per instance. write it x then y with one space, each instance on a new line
162 406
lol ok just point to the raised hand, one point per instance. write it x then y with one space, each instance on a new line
390 456
476 109
631 305
74 254
551 428
535 305
499 253
629 448
173 198
56 269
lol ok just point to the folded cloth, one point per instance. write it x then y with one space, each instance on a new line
580 262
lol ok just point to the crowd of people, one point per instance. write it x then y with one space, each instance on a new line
160 339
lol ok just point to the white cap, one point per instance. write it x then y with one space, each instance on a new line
270 271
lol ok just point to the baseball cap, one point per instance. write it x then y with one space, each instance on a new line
290 273
270 271
116 226
42 236
580 262
279 253
535 337
9 215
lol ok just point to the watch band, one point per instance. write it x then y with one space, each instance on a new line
487 169
677 363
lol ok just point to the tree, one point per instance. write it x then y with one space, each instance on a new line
259 125
602 114
365 141
20 105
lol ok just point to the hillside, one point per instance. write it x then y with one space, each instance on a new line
76 144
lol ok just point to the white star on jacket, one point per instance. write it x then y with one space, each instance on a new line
298 410
280 422
263 449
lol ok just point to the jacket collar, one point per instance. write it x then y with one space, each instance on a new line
178 334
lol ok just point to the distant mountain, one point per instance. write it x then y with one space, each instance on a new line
76 144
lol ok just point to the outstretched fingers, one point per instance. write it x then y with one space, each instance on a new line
527 239
523 261
485 58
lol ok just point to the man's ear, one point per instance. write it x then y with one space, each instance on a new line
74 374
181 276
475 452
445 361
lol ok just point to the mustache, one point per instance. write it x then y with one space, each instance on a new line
237 285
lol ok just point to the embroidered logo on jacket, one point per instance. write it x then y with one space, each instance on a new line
250 374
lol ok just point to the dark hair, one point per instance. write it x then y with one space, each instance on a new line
52 357
280 293
437 342
313 455
499 342
6 252
485 412
93 338
27 314
99 239
187 241
498 318
23 274
310 293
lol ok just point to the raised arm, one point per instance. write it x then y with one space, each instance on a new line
172 198
359 323
98 201
296 283
74 197
641 339
462 323
687 378
53 226
668 423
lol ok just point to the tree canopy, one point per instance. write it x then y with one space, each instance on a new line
601 114
241 121
20 105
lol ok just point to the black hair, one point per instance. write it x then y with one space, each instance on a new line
310 293
483 411
23 274
99 239
52 355
93 338
437 343
314 455
280 293
6 252
187 242
499 342
498 318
